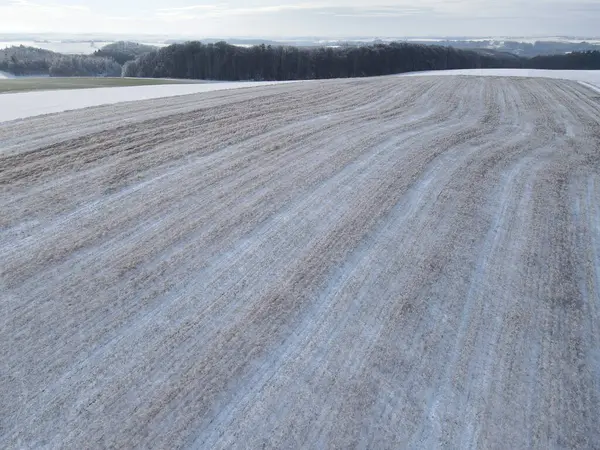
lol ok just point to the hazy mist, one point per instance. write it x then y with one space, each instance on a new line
305 18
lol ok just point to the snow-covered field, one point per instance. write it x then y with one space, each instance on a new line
29 104
378 263
590 77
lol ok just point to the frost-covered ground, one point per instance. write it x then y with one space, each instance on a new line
377 263
22 105
590 77
29 104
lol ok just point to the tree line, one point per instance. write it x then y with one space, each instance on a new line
525 49
589 60
23 60
222 61
124 51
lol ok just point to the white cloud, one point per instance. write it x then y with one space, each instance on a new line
304 17
223 10
24 15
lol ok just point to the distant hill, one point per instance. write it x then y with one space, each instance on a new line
242 42
124 51
524 49
21 60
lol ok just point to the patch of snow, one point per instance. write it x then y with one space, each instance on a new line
5 75
20 105
595 87
155 44
590 78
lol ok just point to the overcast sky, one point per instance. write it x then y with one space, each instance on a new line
279 18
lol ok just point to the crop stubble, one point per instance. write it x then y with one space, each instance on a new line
381 263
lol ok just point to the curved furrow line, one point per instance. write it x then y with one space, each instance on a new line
272 318
69 294
455 156
320 421
117 201
392 262
212 140
143 187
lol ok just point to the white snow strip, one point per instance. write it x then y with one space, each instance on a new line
595 87
590 78
20 105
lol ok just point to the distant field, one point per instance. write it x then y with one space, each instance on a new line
44 84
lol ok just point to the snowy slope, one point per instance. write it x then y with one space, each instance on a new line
28 104
587 77
4 75
383 263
